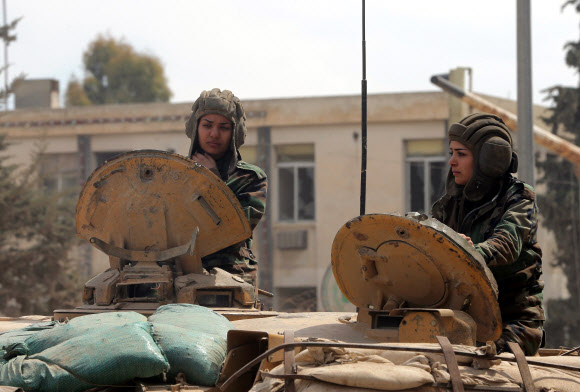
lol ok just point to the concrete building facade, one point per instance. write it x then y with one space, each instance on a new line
311 150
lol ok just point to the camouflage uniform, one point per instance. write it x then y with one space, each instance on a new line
505 234
247 182
499 214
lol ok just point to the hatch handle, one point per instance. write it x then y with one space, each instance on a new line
144 255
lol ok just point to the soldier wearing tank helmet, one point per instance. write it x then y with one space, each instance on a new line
497 214
217 129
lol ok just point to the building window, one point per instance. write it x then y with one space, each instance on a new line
59 172
295 183
426 170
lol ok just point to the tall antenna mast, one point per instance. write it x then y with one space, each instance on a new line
363 170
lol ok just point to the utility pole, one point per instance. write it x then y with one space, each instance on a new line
525 108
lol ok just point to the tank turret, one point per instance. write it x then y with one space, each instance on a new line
156 214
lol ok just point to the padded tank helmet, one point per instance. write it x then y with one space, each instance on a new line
490 141
228 105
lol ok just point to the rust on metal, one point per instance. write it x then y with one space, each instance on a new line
400 261
152 201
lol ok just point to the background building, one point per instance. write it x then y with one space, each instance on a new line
310 148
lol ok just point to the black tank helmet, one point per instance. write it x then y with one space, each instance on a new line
490 141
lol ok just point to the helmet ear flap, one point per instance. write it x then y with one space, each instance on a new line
240 133
514 163
495 157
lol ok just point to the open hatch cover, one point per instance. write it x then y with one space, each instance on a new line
153 201
418 261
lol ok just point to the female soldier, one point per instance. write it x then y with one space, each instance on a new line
217 129
497 214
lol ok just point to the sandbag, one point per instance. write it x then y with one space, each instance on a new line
195 354
192 317
108 355
11 338
20 335
383 376
78 326
194 339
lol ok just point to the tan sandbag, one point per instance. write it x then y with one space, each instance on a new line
269 384
321 355
311 386
471 376
544 377
320 386
330 379
384 376
400 357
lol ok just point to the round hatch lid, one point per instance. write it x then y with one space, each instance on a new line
419 261
152 200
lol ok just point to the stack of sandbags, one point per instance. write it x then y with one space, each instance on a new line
110 349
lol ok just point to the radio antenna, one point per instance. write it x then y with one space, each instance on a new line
363 170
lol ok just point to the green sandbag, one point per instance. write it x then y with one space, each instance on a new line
19 336
194 339
78 326
195 354
192 317
108 355
32 374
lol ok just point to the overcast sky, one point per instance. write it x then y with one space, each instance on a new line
268 48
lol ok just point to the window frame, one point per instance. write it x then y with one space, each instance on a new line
60 177
295 166
65 169
427 160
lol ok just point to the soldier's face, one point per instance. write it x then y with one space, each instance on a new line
214 133
461 162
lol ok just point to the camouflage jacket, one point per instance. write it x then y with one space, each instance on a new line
249 184
504 231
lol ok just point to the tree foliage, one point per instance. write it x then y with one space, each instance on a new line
37 231
75 94
560 205
115 73
7 36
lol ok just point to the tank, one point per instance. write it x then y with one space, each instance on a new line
427 310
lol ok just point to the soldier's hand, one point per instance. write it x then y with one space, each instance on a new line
468 239
204 160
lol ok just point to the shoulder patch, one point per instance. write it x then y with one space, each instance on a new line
252 168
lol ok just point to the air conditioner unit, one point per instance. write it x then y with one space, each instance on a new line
295 239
